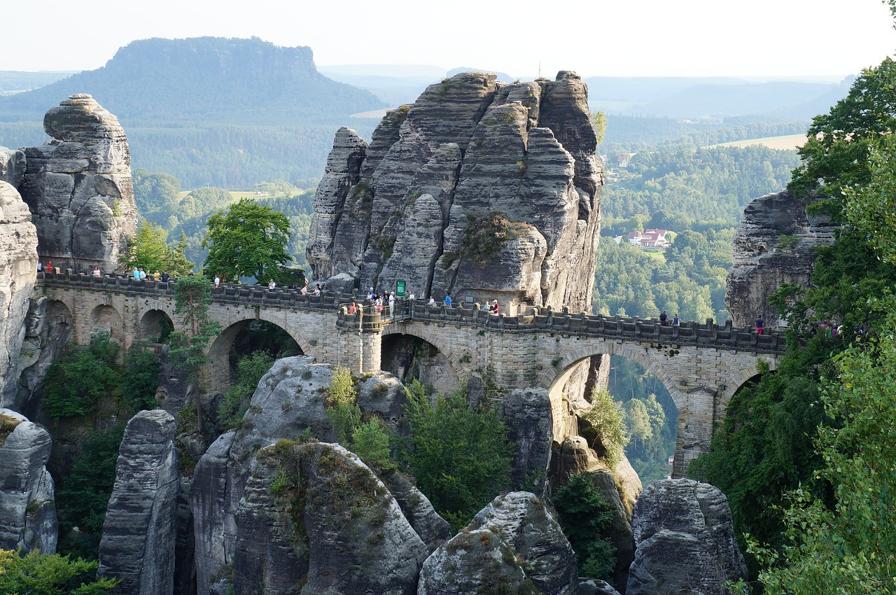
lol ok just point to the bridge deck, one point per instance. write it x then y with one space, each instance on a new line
537 320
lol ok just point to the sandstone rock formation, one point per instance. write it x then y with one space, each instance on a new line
527 413
12 166
514 543
314 514
18 272
480 188
774 245
139 533
432 529
684 540
78 187
27 505
288 403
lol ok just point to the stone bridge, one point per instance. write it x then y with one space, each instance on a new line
702 365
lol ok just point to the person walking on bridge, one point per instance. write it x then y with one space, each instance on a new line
392 304
676 321
447 299
664 318
760 325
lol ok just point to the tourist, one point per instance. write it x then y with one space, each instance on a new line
271 284
165 277
142 274
304 290
218 282
760 325
40 267
50 266
411 297
156 275
352 308
485 306
447 301
431 302
664 318
676 321
96 272
136 273
370 295
391 304
317 289
496 309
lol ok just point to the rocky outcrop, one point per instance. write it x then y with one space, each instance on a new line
432 529
78 187
289 403
774 245
12 166
27 505
480 188
314 515
514 543
138 541
684 540
18 273
574 456
527 413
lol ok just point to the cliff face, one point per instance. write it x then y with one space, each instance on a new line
774 246
479 188
78 187
18 266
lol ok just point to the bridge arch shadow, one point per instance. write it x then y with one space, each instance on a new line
106 319
155 326
409 356
241 339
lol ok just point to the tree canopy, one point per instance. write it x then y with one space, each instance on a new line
249 240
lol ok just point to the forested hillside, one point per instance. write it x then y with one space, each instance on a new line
230 112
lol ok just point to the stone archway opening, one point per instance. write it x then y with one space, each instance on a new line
410 358
155 326
240 340
106 319
648 410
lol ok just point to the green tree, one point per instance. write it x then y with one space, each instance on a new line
249 371
852 544
587 521
248 241
871 208
342 406
192 296
140 380
599 121
81 378
150 250
49 574
82 494
459 455
371 441
604 427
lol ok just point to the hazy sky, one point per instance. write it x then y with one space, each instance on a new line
593 37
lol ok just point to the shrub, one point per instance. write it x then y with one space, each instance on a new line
81 378
370 441
586 518
140 380
604 427
342 406
249 372
49 574
460 455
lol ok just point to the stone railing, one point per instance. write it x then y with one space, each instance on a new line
541 320
609 327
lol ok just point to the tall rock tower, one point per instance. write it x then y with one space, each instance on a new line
78 187
483 189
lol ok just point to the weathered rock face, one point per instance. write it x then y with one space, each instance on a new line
314 514
78 187
12 166
479 188
288 403
527 413
514 542
139 533
774 245
574 456
432 529
18 272
27 505
684 540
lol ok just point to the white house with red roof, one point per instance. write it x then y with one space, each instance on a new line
650 239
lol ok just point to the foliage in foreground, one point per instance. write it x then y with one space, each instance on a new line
249 372
49 574
587 518
82 495
853 544
459 455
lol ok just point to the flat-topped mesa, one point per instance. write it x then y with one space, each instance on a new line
78 187
482 189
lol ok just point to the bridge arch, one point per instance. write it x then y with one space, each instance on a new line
242 338
105 318
155 326
412 353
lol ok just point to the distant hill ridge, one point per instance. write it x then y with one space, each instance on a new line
201 80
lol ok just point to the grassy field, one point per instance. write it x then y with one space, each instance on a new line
789 141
